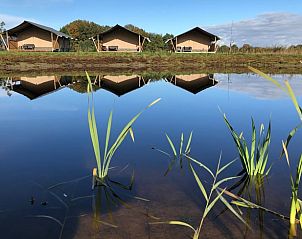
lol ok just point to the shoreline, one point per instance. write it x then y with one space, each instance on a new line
12 63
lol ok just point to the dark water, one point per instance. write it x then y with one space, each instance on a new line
44 140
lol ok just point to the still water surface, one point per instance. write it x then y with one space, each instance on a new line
44 140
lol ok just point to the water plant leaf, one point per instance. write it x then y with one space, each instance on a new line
179 223
181 143
229 206
266 77
211 205
171 145
289 137
201 164
293 98
226 166
132 134
108 134
216 185
201 187
285 153
188 147
153 103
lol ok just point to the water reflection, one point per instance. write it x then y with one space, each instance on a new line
35 87
193 83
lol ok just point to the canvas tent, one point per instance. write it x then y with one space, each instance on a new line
119 38
30 36
194 40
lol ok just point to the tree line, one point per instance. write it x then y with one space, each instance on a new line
82 30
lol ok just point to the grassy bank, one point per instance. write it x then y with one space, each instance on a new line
34 61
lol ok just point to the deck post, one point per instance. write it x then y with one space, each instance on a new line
139 43
51 37
98 46
7 41
175 44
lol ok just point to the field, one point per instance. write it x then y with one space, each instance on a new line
21 62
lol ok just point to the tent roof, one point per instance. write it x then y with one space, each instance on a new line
198 29
26 24
117 26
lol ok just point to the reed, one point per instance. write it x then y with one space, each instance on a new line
296 203
104 160
254 159
211 196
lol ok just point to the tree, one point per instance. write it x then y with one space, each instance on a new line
2 25
81 31
246 48
2 29
223 49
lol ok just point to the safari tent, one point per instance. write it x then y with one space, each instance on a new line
30 36
120 39
194 40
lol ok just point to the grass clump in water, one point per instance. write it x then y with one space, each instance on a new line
254 159
104 160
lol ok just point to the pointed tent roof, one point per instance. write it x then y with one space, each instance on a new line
194 83
27 24
198 29
116 27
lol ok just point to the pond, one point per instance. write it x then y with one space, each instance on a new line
47 158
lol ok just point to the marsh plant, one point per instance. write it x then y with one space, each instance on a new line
103 160
254 159
178 153
296 203
211 196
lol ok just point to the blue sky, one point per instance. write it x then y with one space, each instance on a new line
162 16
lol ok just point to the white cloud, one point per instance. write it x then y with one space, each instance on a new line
269 29
12 21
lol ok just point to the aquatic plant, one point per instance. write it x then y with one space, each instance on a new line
103 161
211 196
176 155
254 159
296 203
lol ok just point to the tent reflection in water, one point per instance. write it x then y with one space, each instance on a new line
35 87
193 83
121 84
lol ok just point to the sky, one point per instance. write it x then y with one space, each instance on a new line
258 22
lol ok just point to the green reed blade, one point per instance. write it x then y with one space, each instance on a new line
132 134
208 209
188 148
224 180
293 98
201 187
266 77
289 137
226 166
181 143
171 145
179 223
253 146
201 165
107 136
229 206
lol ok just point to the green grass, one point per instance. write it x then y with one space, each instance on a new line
254 159
104 160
